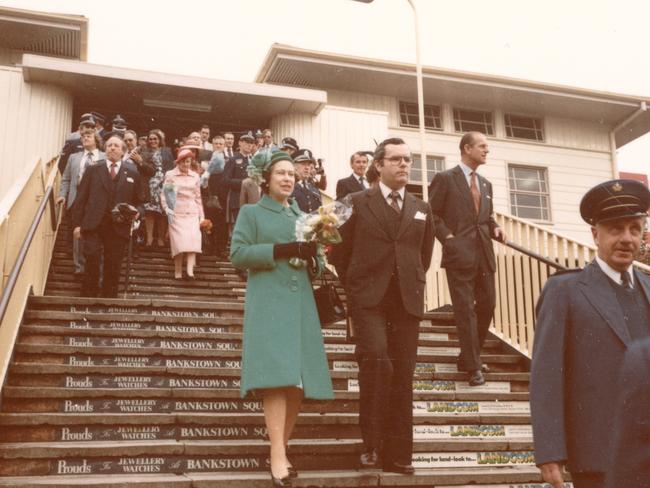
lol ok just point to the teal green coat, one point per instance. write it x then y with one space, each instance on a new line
283 342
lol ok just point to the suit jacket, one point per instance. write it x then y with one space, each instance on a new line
98 195
580 340
453 213
348 185
370 254
71 145
631 455
70 178
233 176
308 199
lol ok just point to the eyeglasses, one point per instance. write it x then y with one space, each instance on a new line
396 160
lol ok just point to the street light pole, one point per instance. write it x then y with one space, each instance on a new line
418 74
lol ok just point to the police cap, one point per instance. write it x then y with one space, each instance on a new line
615 199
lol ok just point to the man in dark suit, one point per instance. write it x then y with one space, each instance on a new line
235 173
103 186
382 262
461 202
305 193
630 459
586 319
357 180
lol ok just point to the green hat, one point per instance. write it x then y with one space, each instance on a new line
276 157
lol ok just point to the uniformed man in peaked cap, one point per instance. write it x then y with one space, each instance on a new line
586 320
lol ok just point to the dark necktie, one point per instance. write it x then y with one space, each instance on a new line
362 182
87 162
113 170
476 195
625 279
394 201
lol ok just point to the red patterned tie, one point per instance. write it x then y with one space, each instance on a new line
113 170
476 195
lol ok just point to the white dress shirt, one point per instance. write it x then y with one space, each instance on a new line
94 156
385 191
467 171
363 183
614 275
109 163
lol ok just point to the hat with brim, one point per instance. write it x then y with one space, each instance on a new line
289 142
184 154
248 136
303 156
615 199
87 119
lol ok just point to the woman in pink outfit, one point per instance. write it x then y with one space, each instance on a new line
181 200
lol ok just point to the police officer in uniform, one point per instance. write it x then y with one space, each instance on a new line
73 143
586 320
305 193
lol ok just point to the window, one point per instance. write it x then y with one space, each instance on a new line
435 164
522 127
408 116
468 120
529 195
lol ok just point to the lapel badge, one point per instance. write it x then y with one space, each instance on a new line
617 187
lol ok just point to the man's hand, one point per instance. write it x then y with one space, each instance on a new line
60 200
76 233
552 474
136 158
499 235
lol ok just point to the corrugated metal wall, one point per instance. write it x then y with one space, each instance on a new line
334 135
34 120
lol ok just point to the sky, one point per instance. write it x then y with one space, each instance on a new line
597 44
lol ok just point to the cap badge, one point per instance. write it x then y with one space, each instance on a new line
617 187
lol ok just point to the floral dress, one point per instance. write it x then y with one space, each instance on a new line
155 185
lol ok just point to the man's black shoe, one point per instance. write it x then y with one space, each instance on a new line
399 468
369 460
476 378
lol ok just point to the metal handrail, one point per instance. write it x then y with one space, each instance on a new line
24 249
534 255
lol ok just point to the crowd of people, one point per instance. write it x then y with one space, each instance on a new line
586 319
188 194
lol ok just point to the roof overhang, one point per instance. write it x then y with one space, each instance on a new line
44 33
240 101
287 65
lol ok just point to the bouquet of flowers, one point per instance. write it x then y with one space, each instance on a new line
169 189
321 226
206 225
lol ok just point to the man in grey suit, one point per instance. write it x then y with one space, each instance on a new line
461 202
72 175
586 319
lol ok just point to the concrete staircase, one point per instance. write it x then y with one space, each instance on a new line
144 392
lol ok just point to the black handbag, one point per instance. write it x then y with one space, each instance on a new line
328 303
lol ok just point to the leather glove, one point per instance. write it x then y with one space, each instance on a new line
302 250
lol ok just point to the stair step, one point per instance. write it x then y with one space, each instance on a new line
458 477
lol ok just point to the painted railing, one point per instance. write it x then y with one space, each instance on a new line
533 254
29 220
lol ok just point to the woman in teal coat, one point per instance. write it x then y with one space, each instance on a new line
283 354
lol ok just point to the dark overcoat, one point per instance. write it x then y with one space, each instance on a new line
580 340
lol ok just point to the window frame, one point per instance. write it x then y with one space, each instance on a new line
491 133
542 129
430 157
512 191
417 116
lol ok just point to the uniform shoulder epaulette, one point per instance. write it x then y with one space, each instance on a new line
566 271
